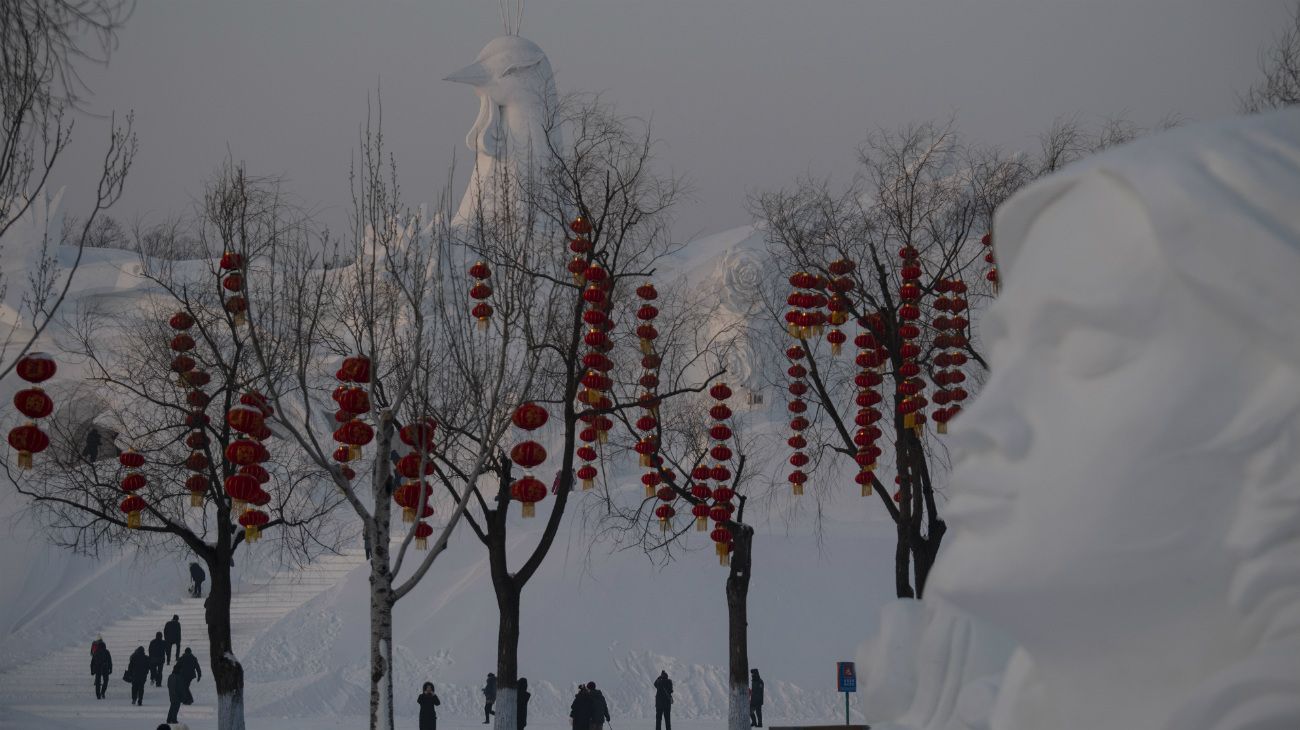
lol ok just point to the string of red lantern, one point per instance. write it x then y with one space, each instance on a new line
910 400
798 422
951 325
992 260
528 454
233 285
479 292
35 404
595 380
840 285
871 356
720 434
132 482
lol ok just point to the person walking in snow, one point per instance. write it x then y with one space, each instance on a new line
173 726
101 666
198 576
599 708
428 707
178 693
172 635
522 695
663 701
755 699
97 644
157 655
137 673
580 710
187 665
489 697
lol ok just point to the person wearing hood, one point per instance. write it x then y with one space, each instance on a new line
599 708
157 655
755 699
663 701
101 666
137 673
172 634
197 576
522 695
178 693
580 710
489 697
429 702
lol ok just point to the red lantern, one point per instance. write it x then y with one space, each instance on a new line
577 266
701 514
480 270
528 454
196 461
132 506
182 343
665 514
197 484
647 312
528 491
797 481
231 261
243 452
133 482
27 440
245 419
342 454
195 378
182 364
355 369
422 533
587 473
237 306
232 282
409 496
419 435
253 521
196 440
131 459
181 321
482 312
409 466
257 472
197 399
721 537
33 403
355 434
529 416
36 367
241 488
647 292
580 226
481 290
354 400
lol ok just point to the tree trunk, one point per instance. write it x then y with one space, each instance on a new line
381 636
507 653
738 627
227 674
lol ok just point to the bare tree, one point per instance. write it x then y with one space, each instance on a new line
1280 64
151 378
41 42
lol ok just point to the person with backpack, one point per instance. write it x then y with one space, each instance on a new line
137 673
663 701
101 666
489 697
522 695
599 708
172 635
580 709
428 707
157 655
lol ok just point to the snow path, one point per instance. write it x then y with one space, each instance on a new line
59 687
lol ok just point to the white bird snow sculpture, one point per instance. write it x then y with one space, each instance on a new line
517 96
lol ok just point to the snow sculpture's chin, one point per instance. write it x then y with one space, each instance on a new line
1125 499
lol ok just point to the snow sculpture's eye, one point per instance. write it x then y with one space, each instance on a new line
1088 352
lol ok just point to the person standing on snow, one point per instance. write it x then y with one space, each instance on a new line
97 644
198 576
580 710
755 699
137 673
157 655
489 697
599 708
428 707
178 693
522 696
172 635
101 666
187 665
663 701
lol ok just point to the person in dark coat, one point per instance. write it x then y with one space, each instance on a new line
599 708
137 673
157 655
96 645
178 693
663 701
580 710
172 635
522 695
428 708
489 697
101 666
755 699
198 576
187 665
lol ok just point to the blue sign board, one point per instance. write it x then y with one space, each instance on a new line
848 676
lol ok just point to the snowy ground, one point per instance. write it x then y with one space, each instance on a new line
27 722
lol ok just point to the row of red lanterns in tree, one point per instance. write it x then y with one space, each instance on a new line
413 494
33 403
909 399
871 357
248 451
647 446
950 323
479 292
189 375
353 401
991 259
528 454
233 285
595 381
720 434
798 421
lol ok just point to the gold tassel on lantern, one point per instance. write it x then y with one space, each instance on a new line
602 436
482 324
196 499
797 489
866 485
132 520
24 459
701 524
237 505
793 329
909 420
408 514
250 533
835 349
645 461
647 347
239 319
588 484
663 525
942 427
649 490
530 509
421 543
354 452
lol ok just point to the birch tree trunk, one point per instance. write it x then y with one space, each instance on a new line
381 635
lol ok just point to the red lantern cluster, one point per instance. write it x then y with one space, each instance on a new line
870 359
798 422
413 495
720 452
647 446
647 312
253 521
35 404
805 318
528 454
247 417
479 292
189 376
910 400
353 401
132 482
840 284
233 286
951 324
991 260
595 380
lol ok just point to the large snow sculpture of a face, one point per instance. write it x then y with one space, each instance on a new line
1126 499
517 98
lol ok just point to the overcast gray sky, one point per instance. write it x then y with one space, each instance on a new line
745 94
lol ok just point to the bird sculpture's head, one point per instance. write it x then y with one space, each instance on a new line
510 75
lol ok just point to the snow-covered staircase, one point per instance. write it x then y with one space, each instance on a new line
60 686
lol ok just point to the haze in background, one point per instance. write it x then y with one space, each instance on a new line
745 94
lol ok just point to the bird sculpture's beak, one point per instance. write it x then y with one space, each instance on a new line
473 74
